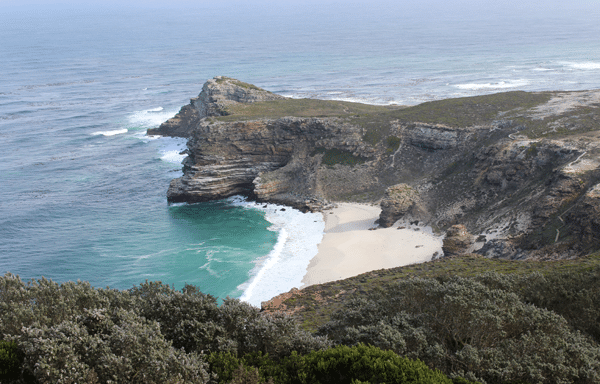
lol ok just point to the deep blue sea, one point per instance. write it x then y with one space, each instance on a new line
83 189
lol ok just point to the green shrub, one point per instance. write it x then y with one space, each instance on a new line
335 156
342 364
339 365
393 143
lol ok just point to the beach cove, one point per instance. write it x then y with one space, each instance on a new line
353 244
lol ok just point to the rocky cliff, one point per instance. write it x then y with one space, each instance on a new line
516 173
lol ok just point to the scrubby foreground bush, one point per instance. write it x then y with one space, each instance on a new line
74 333
489 328
338 365
484 328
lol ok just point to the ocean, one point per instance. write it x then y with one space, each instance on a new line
83 189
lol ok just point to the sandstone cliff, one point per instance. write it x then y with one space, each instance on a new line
517 173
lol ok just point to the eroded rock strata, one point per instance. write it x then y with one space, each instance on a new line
507 167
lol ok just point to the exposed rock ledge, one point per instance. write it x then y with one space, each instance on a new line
217 95
443 163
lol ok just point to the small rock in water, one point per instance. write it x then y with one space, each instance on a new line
401 227
282 209
418 246
417 229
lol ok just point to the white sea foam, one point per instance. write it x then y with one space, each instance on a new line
149 118
110 133
272 259
285 266
498 85
170 149
586 65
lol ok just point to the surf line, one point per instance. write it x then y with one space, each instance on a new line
272 259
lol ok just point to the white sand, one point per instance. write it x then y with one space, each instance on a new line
349 248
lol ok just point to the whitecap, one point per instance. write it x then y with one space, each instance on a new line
149 118
110 133
170 149
498 85
585 65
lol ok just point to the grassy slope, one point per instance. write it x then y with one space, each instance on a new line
457 112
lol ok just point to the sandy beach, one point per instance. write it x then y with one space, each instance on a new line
349 248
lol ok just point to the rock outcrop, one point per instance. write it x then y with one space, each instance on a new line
217 95
401 201
501 249
435 136
458 241
585 218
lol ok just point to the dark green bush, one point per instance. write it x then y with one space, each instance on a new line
335 156
9 360
345 365
339 365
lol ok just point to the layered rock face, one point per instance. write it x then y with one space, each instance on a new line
434 136
271 160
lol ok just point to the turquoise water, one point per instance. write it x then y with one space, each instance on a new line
83 190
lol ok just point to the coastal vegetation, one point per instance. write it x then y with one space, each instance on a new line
335 156
457 320
152 333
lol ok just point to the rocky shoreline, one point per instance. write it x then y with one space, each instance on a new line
518 170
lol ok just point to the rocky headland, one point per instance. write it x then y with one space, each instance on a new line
518 170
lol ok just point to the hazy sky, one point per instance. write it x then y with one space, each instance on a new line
541 5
